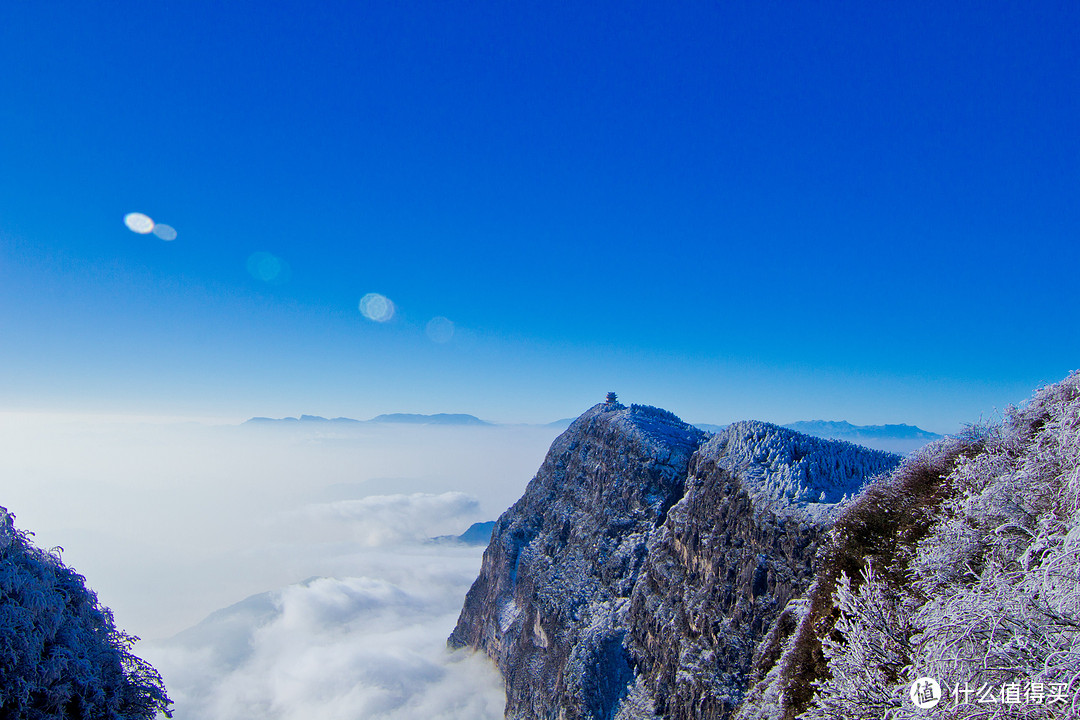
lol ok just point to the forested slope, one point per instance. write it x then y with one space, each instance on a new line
963 566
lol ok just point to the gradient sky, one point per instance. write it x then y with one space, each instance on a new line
859 211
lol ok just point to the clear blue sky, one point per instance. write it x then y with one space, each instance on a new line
860 211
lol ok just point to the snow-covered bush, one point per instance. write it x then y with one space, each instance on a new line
867 653
61 655
638 704
988 597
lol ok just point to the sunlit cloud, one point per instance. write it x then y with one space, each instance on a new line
376 307
165 232
330 649
386 519
439 329
268 268
139 223
173 521
224 512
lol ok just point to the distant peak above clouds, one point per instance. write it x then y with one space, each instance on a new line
404 418
900 438
301 419
437 419
841 427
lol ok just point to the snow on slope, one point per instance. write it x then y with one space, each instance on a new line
963 565
785 469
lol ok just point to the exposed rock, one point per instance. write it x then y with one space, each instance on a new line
646 561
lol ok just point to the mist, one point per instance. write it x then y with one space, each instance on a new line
308 547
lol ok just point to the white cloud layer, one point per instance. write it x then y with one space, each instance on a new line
383 519
170 522
337 649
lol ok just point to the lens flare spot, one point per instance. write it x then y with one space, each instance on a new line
439 329
165 232
268 268
376 307
139 223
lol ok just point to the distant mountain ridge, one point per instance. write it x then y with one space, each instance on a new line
437 419
891 438
400 418
842 427
477 534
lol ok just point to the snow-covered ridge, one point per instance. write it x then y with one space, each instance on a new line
662 431
784 468
895 438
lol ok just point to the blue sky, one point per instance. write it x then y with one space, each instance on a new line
729 209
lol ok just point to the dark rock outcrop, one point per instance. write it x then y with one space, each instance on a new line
647 561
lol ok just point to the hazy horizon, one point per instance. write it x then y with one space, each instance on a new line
173 522
237 419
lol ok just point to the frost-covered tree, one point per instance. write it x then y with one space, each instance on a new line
61 654
991 593
638 704
868 652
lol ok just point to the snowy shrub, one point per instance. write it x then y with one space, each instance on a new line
987 597
61 655
1008 610
878 529
867 652
651 411
638 704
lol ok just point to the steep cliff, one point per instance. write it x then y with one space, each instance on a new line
647 561
563 561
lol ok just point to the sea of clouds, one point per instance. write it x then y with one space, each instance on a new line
278 572
364 646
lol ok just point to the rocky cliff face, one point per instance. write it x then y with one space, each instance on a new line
644 567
